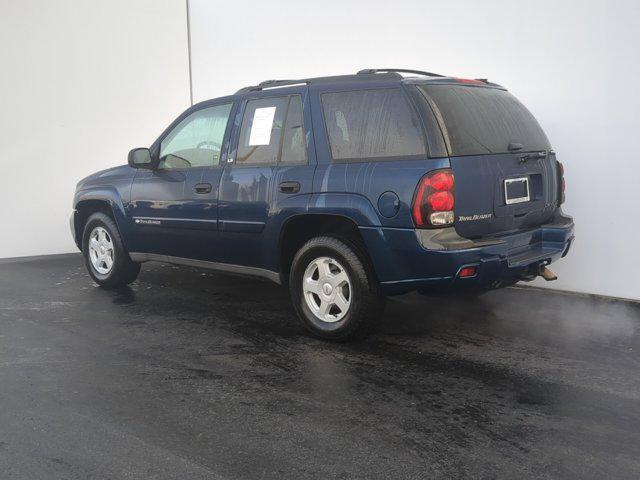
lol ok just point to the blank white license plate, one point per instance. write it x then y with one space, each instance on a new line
516 190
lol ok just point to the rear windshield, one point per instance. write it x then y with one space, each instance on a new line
479 120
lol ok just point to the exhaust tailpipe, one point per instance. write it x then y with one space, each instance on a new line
546 273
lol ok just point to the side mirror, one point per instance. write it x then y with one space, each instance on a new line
140 158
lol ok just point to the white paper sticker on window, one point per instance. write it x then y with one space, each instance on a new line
261 126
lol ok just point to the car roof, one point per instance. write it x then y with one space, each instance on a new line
371 75
364 77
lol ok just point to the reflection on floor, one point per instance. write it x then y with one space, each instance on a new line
189 374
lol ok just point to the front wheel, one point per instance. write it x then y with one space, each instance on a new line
106 259
333 290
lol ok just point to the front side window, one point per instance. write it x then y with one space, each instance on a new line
197 140
272 132
371 124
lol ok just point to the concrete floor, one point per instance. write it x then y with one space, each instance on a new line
196 375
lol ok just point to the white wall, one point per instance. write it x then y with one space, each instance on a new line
573 63
81 82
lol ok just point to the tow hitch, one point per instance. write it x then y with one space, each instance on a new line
546 273
538 270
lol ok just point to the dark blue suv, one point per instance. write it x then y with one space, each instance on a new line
345 188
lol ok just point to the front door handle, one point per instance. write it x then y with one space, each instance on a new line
203 188
289 187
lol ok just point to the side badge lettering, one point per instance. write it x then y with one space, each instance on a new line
147 221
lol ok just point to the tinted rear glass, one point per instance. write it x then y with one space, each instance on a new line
371 124
294 145
480 120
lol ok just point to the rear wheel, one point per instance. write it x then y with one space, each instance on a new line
333 290
106 259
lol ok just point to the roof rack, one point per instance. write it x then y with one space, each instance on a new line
392 72
273 84
399 70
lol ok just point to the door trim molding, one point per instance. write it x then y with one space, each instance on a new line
241 226
173 219
171 222
221 267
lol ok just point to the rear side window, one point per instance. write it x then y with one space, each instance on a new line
371 124
261 130
272 132
294 145
479 120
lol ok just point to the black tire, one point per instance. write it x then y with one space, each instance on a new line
366 301
124 270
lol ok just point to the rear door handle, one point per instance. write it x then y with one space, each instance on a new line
289 187
203 188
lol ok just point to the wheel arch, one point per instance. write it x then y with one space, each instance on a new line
299 229
88 203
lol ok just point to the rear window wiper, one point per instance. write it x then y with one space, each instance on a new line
531 156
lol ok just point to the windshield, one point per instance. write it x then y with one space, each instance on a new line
479 120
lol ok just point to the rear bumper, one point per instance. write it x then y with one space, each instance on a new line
407 259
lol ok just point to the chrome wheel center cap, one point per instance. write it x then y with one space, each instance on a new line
327 289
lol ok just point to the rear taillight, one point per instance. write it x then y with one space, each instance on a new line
434 200
561 183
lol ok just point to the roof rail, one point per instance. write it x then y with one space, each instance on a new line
272 84
399 70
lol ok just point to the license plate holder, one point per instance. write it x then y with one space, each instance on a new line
516 190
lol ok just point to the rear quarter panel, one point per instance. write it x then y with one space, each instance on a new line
368 178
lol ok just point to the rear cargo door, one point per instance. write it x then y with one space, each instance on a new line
500 193
505 172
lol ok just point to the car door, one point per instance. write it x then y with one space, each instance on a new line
269 176
173 208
